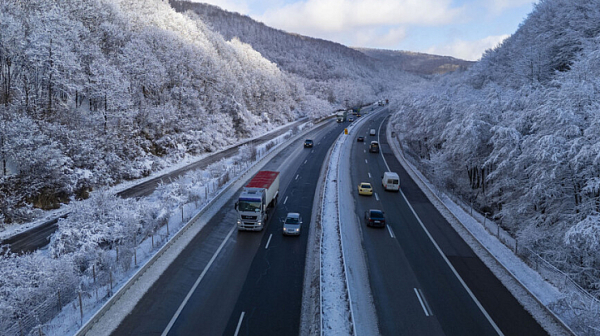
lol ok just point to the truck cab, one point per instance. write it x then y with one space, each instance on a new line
257 200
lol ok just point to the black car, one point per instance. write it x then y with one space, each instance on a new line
374 147
308 143
374 217
360 139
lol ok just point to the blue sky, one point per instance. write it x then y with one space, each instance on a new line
459 28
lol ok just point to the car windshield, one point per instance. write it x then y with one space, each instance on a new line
249 205
365 186
291 220
376 214
308 141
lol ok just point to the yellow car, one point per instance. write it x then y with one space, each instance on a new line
364 188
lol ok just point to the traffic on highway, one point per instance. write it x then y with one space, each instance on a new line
245 272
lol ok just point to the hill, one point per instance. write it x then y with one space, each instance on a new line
417 63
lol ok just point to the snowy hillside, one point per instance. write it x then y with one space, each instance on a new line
327 69
417 63
517 135
96 92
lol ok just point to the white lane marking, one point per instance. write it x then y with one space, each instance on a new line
268 241
366 161
297 177
312 151
485 313
376 197
369 175
364 150
421 301
174 318
390 230
379 141
285 200
425 301
305 161
237 329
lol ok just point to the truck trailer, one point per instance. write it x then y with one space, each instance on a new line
257 201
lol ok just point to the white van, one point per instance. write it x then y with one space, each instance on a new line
391 181
372 132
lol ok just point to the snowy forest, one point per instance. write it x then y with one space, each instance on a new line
518 135
96 92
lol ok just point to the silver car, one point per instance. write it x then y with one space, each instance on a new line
292 224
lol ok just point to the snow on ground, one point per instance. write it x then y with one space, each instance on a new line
335 303
346 302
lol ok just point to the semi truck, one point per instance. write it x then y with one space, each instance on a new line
257 201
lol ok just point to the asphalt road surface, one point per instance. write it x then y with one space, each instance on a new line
415 291
255 283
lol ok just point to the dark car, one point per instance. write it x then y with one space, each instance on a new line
374 147
374 217
360 139
308 143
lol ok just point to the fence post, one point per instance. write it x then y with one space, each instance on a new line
59 301
80 307
152 235
182 212
167 227
94 272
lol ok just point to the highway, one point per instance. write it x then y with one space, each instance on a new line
250 283
255 281
415 290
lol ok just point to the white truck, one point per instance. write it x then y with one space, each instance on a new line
257 200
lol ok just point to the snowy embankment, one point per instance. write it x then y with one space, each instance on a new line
346 302
336 317
526 285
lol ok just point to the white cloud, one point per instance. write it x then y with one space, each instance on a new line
468 50
372 38
319 17
499 6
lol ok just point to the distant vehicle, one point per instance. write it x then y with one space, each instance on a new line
308 143
374 147
390 181
372 132
375 217
365 188
350 119
292 224
360 139
257 200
